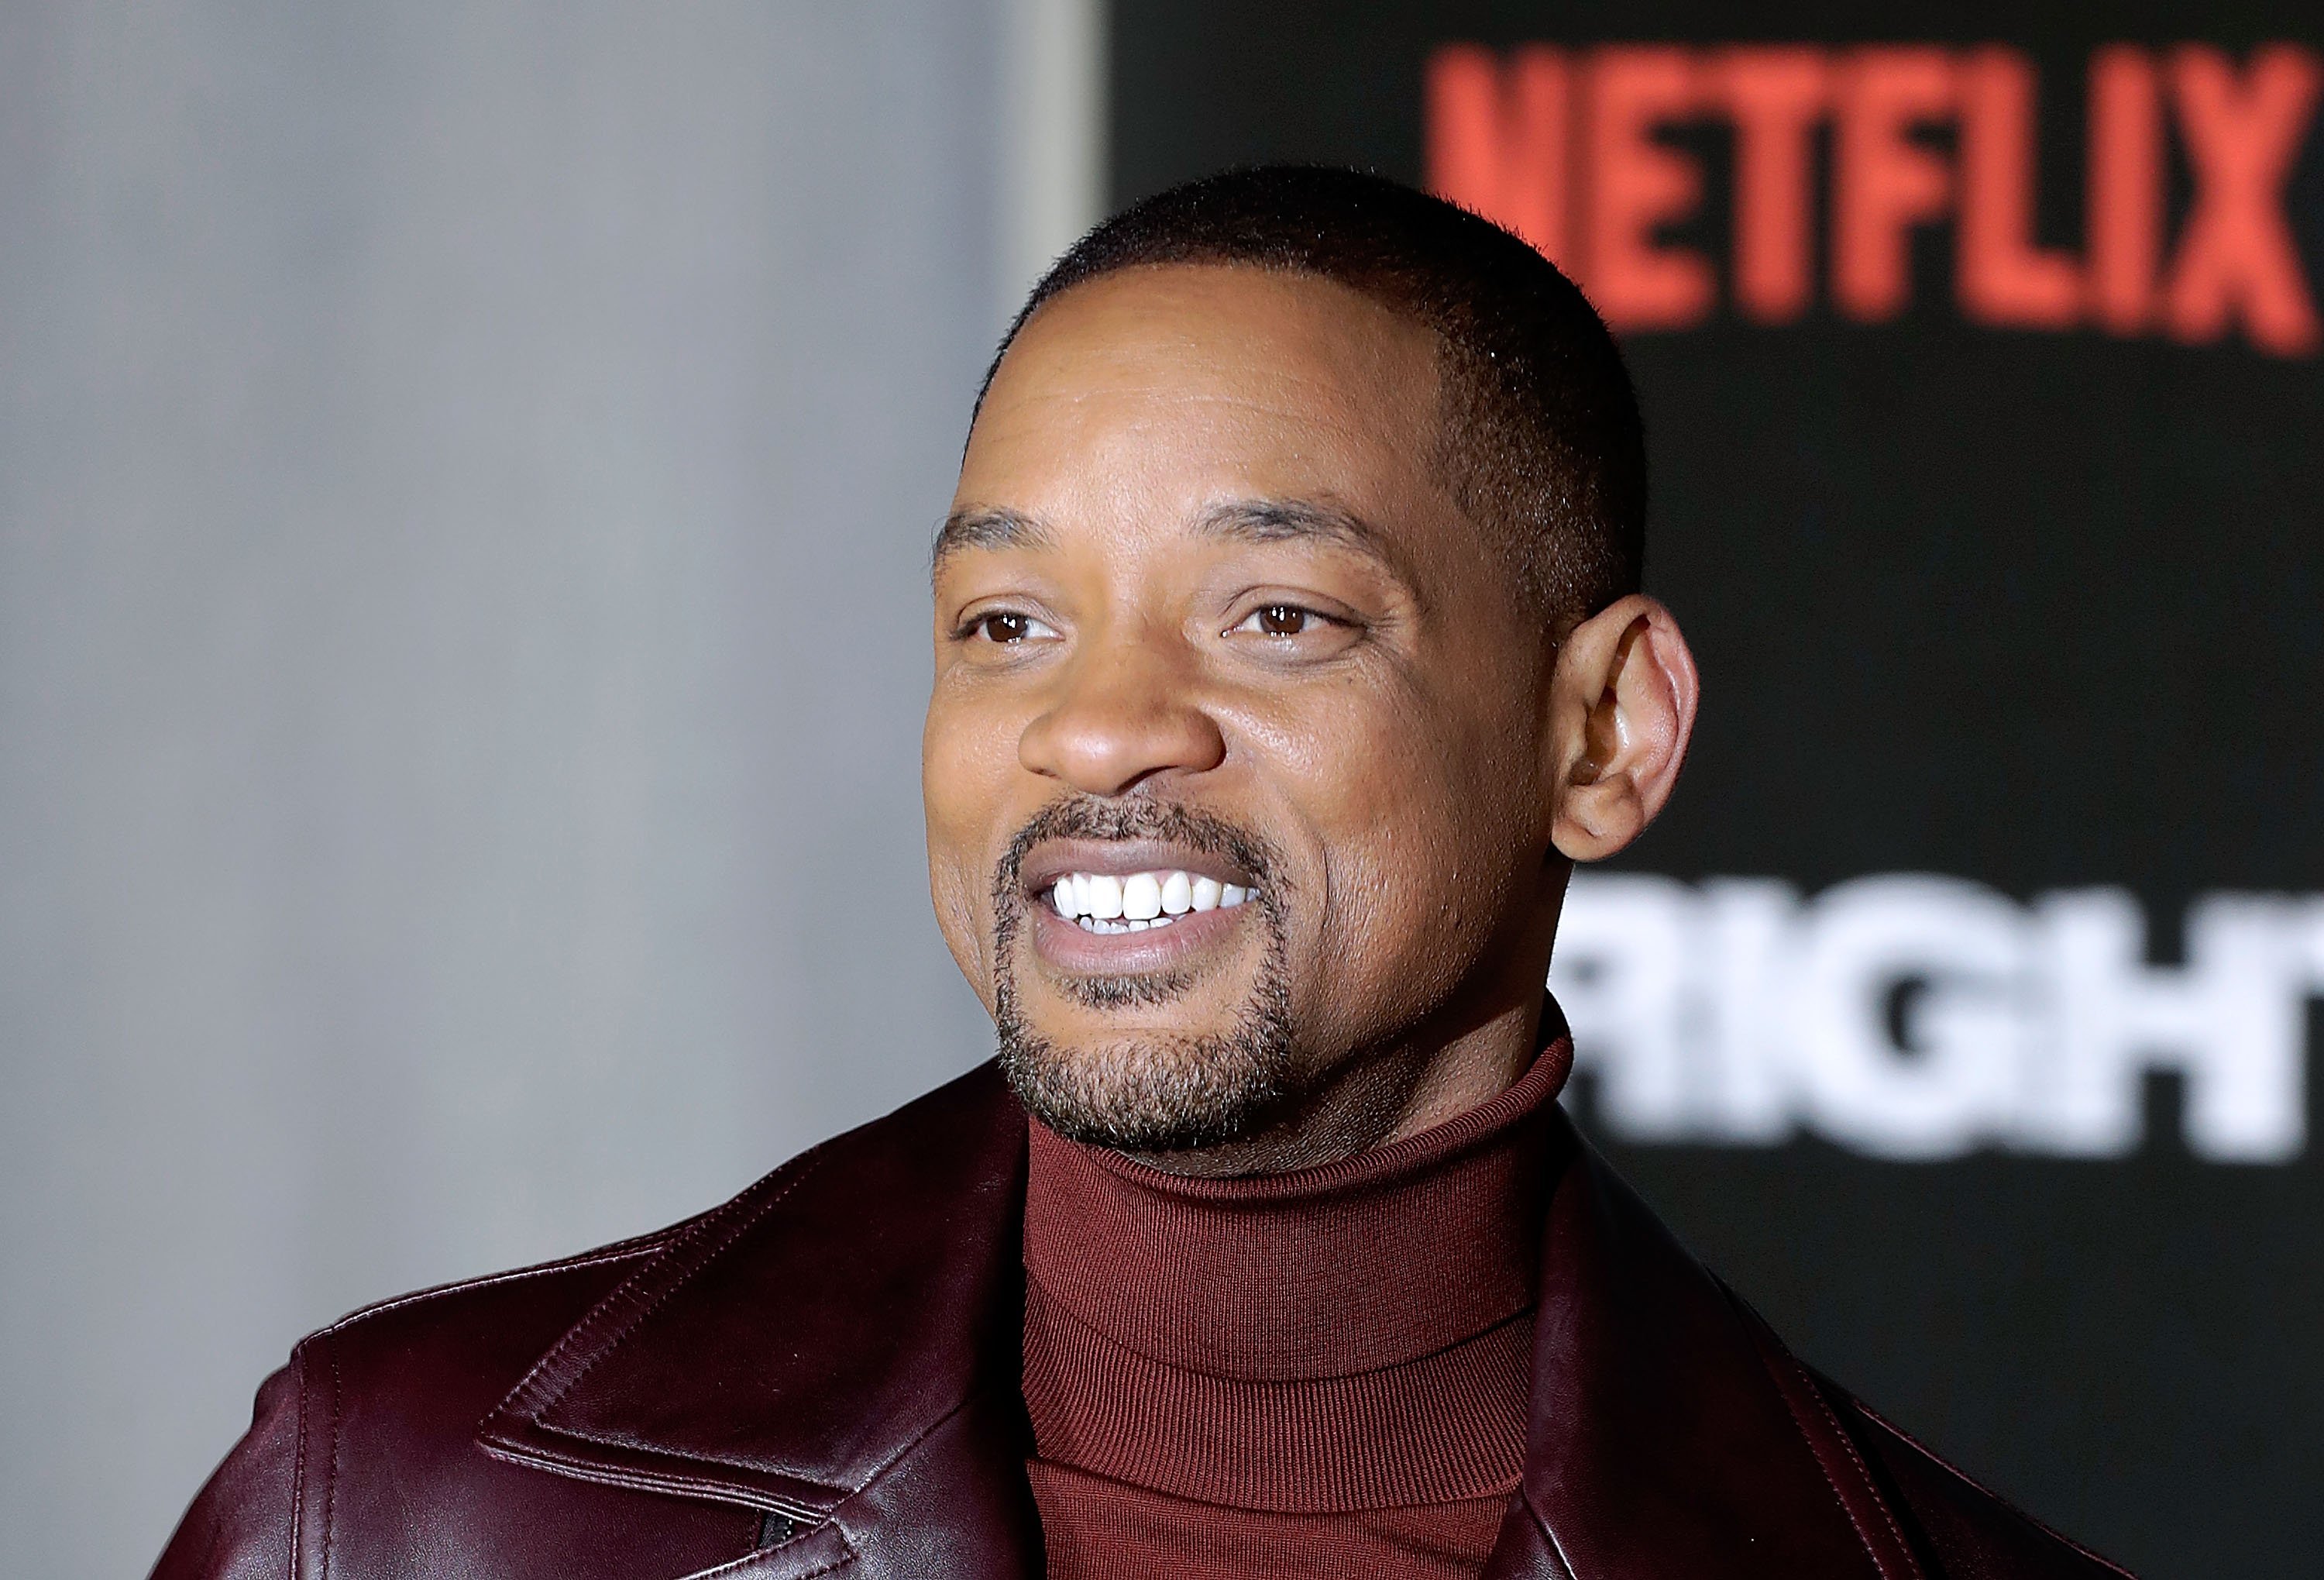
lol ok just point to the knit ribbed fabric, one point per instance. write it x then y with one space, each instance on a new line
1324 1372
1097 1528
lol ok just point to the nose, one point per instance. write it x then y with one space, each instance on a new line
1126 712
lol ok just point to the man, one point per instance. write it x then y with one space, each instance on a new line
1288 652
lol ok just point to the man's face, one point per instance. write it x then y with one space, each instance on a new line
1209 627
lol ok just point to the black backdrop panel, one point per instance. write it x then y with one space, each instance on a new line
2040 610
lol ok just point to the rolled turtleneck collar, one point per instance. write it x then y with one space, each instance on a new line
1352 1336
1383 1257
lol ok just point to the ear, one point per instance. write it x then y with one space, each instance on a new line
1622 700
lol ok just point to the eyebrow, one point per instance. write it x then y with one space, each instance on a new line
1286 521
1248 521
986 526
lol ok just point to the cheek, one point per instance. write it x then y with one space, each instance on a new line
1417 819
966 767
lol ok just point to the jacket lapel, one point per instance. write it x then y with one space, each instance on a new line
837 1346
1671 1435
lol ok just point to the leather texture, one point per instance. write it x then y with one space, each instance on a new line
821 1377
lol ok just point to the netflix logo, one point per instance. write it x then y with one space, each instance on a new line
2187 154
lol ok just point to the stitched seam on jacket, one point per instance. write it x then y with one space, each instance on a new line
695 1456
882 1468
743 1565
637 1319
919 1438
299 1468
331 1486
1799 1424
592 1469
583 1333
1974 1485
1773 1358
1864 1476
642 1245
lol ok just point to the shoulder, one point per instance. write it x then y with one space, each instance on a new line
397 1386
474 1328
364 1455
1965 1528
457 1350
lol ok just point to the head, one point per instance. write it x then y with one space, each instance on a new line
1289 650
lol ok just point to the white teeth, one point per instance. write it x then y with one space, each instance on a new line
1141 897
1104 896
1108 903
1090 924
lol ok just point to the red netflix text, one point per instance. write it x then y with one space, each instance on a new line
1563 147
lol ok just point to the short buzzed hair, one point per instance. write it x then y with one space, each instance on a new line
1540 440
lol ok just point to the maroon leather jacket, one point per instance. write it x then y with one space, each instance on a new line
821 1377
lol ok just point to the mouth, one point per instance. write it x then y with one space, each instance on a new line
1085 890
1105 902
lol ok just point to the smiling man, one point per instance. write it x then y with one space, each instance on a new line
1289 651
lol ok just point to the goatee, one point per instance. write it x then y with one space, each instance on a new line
1149 1092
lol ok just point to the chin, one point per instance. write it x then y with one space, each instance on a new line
1151 1092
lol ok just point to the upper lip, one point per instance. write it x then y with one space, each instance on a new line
1052 859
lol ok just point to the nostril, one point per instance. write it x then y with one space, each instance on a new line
1108 752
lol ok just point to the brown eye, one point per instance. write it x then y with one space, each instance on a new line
1278 620
1007 627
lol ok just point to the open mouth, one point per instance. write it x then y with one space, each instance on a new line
1137 903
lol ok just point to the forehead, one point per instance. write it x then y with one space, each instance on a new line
1183 383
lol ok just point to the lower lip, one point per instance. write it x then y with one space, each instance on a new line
1071 948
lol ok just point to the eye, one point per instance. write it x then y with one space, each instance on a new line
1280 620
1006 626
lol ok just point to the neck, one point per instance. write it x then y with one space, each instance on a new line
1382 1095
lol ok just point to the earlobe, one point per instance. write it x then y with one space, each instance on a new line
1623 701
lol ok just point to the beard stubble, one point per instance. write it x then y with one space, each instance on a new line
1146 1092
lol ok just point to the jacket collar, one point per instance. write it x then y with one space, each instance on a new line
840 1346
847 1327
1671 1433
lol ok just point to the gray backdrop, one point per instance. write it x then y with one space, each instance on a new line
465 474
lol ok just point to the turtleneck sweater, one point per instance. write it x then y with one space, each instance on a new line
1319 1372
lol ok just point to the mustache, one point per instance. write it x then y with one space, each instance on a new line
1079 817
